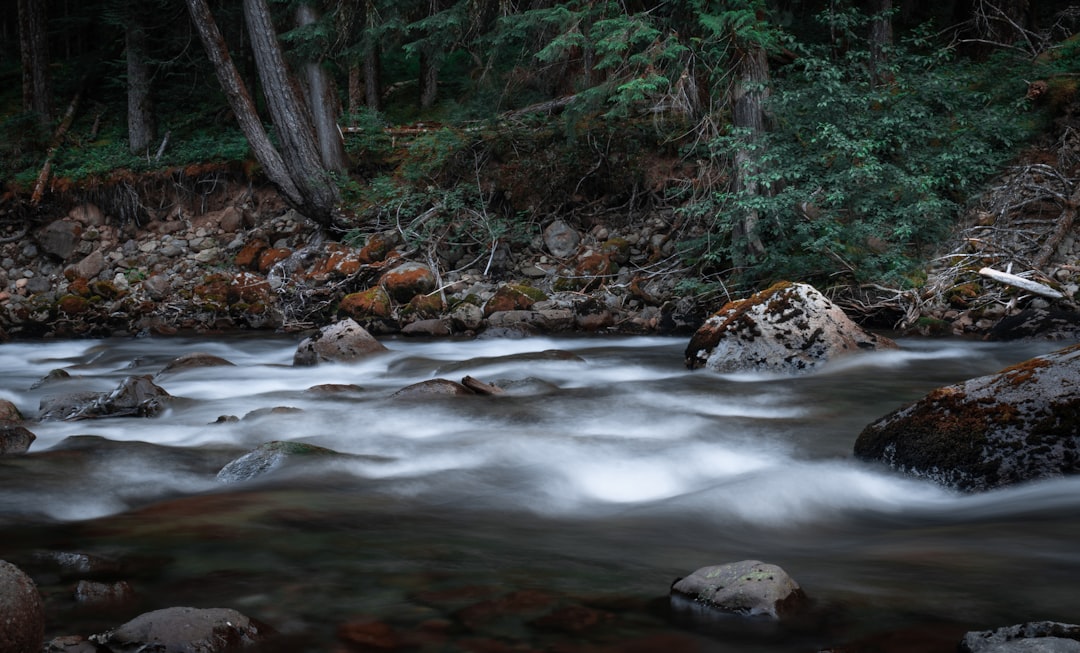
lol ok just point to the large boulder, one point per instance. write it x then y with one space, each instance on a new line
184 630
1031 637
344 341
789 328
1020 424
22 617
749 588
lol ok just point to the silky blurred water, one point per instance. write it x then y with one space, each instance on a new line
607 473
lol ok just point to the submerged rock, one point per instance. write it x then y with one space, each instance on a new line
194 360
1020 424
1031 637
185 630
432 388
22 617
267 458
344 341
749 588
788 329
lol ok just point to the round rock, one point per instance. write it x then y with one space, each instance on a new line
22 617
750 588
344 341
184 630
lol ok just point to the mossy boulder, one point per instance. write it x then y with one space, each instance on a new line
367 304
1020 424
789 328
513 297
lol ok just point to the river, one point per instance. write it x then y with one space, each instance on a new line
553 517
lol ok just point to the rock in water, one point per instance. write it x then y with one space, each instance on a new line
22 617
343 341
14 439
1032 637
267 458
184 630
789 328
1020 424
750 588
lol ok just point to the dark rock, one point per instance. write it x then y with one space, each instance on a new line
1031 637
1046 324
267 458
344 341
9 412
136 396
1020 424
14 439
60 238
749 588
90 266
432 387
194 360
513 297
88 592
788 328
157 287
184 630
54 375
430 328
22 617
71 644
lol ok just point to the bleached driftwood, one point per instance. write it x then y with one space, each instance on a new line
1035 287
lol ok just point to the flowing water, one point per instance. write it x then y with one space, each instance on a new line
553 517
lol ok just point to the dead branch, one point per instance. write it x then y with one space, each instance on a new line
54 147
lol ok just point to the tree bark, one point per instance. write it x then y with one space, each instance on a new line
429 78
373 76
290 117
881 39
323 104
34 52
751 90
142 127
240 101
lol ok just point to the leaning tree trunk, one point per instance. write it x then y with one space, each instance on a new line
142 129
290 116
33 50
748 116
323 105
240 101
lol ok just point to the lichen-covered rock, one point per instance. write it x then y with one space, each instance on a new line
561 239
184 630
750 588
268 457
344 341
789 328
1020 424
22 617
513 297
373 303
408 280
1031 637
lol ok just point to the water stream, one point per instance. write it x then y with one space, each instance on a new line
590 486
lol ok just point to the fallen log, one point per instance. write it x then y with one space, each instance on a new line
54 147
1035 287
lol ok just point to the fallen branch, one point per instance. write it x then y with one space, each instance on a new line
1064 225
1015 281
54 147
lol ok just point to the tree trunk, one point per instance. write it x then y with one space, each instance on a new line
429 78
748 115
142 128
881 39
373 76
290 117
323 104
240 101
34 52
